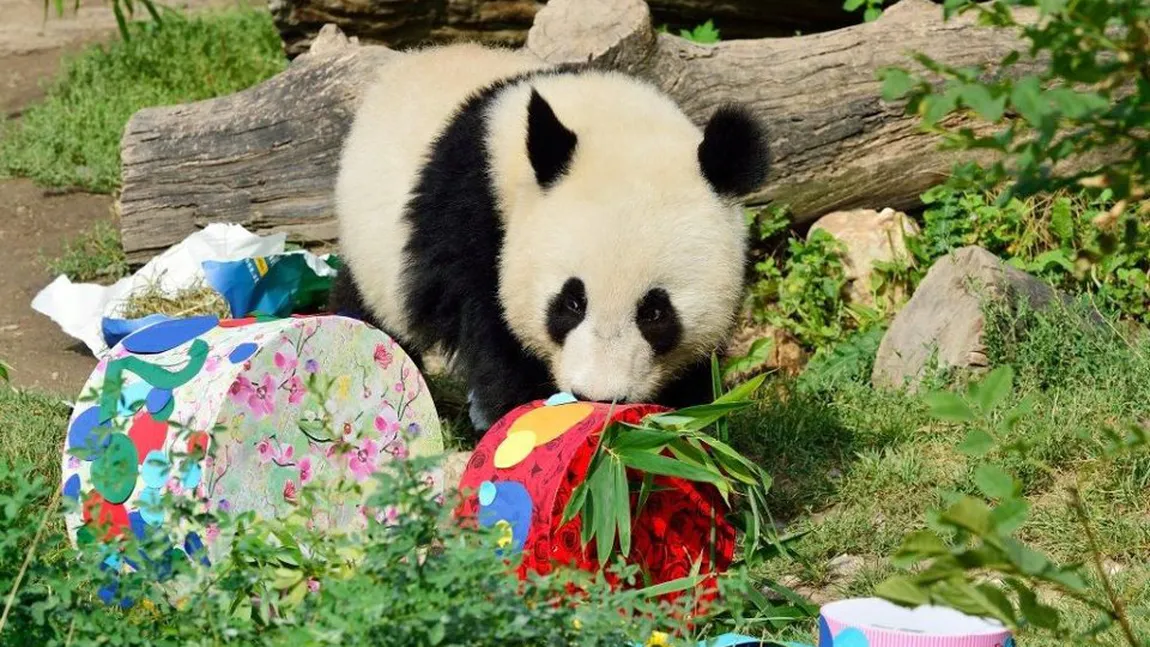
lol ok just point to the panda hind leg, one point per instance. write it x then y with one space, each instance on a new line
346 300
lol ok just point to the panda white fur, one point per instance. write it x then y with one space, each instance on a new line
552 229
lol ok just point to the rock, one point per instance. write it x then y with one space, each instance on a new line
944 319
330 39
868 236
845 567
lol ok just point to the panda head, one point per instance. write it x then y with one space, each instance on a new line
623 255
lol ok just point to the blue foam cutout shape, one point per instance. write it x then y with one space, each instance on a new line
242 352
512 504
150 510
486 493
138 525
72 486
156 469
115 330
81 435
825 638
851 637
166 335
559 398
131 396
157 399
192 476
1009 641
193 546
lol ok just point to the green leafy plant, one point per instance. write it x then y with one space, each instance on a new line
1070 111
703 34
4 369
850 360
872 11
1051 236
975 536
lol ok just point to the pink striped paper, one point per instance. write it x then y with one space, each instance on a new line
892 626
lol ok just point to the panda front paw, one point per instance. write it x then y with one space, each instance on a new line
481 419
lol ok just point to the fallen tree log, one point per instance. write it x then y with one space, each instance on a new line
401 23
266 157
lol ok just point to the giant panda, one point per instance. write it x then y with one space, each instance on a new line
551 228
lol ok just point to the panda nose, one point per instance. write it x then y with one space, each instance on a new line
585 398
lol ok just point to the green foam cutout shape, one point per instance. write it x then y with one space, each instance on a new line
154 375
114 472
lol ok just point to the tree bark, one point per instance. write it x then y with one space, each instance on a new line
403 23
266 157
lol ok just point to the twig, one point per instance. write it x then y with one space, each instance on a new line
28 559
1118 609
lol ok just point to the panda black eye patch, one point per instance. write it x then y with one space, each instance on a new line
566 310
658 321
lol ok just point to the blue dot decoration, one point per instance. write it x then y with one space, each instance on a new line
192 476
193 546
851 638
166 335
72 487
825 638
155 469
131 397
242 352
1009 641
511 504
150 509
83 434
157 400
559 398
486 493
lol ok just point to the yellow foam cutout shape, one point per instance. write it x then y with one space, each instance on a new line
549 423
514 448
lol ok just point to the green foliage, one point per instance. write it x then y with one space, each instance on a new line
975 535
1050 236
1078 93
73 138
872 11
93 255
848 361
704 34
802 292
416 579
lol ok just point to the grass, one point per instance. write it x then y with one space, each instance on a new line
72 139
95 255
859 468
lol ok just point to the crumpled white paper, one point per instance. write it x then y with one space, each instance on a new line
79 308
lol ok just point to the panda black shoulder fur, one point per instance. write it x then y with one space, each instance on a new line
552 229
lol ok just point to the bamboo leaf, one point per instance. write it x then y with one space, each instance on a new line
120 21
662 465
674 586
603 518
622 506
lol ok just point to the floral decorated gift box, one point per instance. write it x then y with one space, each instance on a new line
239 415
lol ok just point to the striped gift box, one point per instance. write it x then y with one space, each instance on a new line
871 622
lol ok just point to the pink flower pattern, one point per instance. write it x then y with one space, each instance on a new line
364 460
382 356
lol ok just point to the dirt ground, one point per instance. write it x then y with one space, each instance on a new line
35 223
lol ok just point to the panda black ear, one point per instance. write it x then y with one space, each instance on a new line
733 155
550 145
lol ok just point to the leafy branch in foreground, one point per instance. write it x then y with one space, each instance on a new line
975 537
1071 112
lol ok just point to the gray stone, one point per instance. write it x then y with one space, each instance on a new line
944 320
869 237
